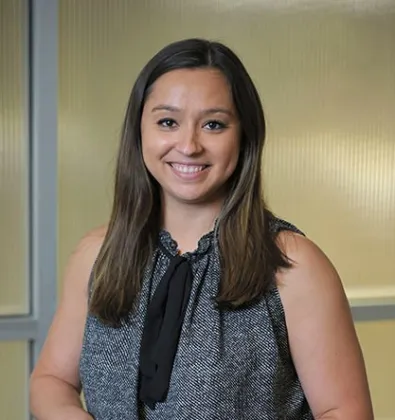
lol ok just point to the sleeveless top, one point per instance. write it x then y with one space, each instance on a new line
229 365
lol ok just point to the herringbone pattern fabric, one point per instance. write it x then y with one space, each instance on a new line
229 365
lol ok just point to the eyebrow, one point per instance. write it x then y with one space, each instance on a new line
204 112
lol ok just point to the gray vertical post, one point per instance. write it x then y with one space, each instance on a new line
43 140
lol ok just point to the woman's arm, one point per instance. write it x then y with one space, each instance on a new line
54 384
322 337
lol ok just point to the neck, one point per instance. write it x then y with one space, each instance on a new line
187 223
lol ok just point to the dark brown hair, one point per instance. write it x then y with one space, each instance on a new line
248 250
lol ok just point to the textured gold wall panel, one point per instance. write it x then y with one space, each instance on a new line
13 380
378 343
13 157
326 76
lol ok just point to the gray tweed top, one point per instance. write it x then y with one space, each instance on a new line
229 365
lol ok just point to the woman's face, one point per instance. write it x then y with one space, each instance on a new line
191 135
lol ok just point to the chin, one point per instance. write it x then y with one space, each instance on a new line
194 199
188 199
184 195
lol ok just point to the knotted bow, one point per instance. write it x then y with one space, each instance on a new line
163 323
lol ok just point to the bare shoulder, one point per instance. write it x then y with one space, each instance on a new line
312 285
83 256
311 290
89 245
311 268
61 351
322 338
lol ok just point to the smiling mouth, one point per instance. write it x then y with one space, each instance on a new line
188 169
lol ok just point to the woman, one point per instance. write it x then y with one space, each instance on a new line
201 304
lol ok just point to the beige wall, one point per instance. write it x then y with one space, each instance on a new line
13 380
13 204
13 159
327 85
378 344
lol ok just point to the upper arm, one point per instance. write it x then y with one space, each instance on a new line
321 332
61 351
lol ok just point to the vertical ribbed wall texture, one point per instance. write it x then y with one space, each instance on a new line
327 84
13 202
378 345
327 80
13 380
13 157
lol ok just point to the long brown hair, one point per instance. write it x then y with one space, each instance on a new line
248 251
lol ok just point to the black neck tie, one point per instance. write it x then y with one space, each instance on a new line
163 323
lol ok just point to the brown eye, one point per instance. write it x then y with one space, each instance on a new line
167 123
215 125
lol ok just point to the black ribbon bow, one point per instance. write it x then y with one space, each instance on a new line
163 323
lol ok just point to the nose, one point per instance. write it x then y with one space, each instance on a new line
189 142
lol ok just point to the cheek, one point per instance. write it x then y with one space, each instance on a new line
144 140
149 144
154 149
148 153
232 152
145 152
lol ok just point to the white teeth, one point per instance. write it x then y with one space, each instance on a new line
187 169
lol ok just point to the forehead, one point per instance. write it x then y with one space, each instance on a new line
192 88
